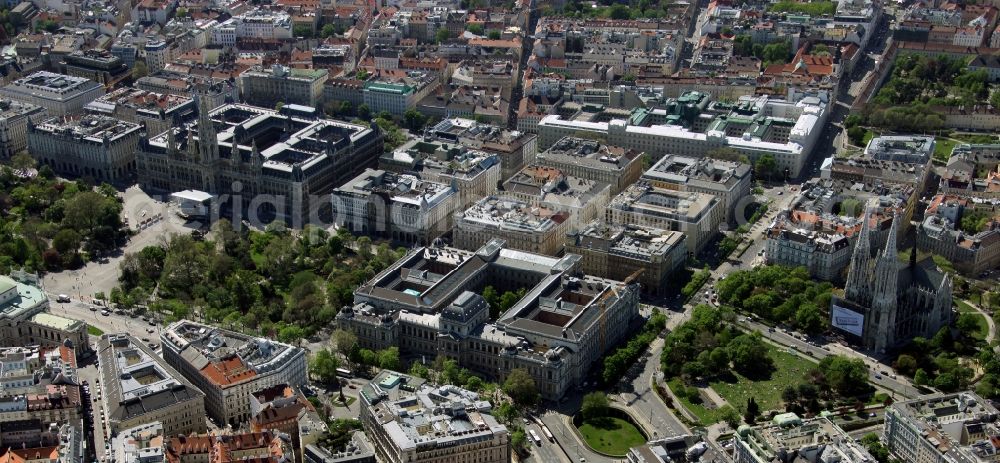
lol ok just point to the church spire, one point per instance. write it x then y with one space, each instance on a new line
885 290
858 272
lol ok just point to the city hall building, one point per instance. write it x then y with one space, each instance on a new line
293 157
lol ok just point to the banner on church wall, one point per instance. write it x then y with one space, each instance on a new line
848 320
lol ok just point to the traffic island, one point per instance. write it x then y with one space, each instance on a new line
612 434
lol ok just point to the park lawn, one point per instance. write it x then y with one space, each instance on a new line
943 147
94 331
984 327
613 436
705 415
790 370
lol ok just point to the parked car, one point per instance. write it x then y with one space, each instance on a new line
62 298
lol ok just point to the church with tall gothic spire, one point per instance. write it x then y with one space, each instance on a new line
887 302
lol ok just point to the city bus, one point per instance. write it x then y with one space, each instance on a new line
534 437
344 373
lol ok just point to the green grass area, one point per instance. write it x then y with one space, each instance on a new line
94 331
867 138
790 370
984 327
817 8
613 436
705 415
943 147
975 138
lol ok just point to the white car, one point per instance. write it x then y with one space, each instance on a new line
62 298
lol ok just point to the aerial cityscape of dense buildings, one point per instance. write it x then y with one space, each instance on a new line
296 231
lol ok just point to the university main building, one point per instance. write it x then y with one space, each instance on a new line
428 304
292 156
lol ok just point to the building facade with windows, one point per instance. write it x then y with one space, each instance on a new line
15 116
730 181
289 162
522 226
93 146
959 427
280 84
140 388
396 410
228 367
400 207
697 215
428 304
619 251
59 94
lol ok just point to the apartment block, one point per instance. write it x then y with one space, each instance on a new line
515 148
617 252
280 84
224 447
942 427
140 387
697 215
548 187
15 116
593 160
473 173
396 410
159 112
100 147
228 366
395 92
400 207
529 228
729 181
58 94
817 440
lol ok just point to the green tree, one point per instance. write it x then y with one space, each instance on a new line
345 342
920 377
22 162
752 412
906 364
518 440
419 370
328 30
856 135
749 354
974 221
619 11
388 359
493 35
729 414
291 334
790 395
521 388
595 405
139 70
766 166
442 35
67 241
302 31
324 366
474 28
414 120
847 376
